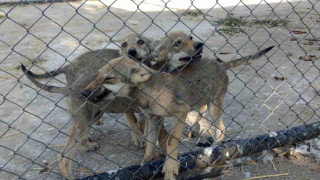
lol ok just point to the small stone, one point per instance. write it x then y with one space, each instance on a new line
300 57
307 58
273 134
267 156
293 39
133 22
247 174
2 14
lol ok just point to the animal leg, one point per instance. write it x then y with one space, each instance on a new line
152 136
215 111
195 120
171 166
163 137
77 131
135 130
78 134
85 142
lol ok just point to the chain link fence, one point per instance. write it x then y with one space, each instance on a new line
271 102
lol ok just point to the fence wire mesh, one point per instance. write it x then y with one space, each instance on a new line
160 76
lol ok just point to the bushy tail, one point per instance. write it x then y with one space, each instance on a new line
53 89
247 59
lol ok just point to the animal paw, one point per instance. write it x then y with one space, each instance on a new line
65 167
147 158
170 169
137 139
191 134
98 122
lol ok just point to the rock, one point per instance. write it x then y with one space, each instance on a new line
307 58
2 14
247 174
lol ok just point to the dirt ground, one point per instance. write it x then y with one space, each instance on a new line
276 92
306 169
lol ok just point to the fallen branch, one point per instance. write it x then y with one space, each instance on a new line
213 156
274 166
11 134
267 176
56 145
58 169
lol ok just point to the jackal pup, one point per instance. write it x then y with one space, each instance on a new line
79 73
159 94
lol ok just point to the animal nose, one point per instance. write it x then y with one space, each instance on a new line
198 46
86 93
132 52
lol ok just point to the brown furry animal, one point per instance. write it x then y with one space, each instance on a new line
79 74
159 94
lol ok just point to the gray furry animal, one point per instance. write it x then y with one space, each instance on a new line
79 73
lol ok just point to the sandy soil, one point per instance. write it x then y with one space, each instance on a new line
50 35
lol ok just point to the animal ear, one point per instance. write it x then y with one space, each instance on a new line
139 75
121 52
155 43
159 48
160 45
155 48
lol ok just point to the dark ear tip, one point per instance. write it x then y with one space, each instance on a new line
86 93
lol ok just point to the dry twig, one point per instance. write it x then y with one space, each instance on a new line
267 176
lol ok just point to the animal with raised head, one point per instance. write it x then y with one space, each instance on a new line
158 94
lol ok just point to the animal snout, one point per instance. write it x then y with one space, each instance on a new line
132 52
86 93
198 46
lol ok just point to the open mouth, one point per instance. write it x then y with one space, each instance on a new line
135 58
195 57
96 99
104 94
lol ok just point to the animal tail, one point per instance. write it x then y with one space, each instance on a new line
47 74
53 89
247 59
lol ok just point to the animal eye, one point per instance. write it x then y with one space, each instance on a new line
124 45
140 42
191 37
177 43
